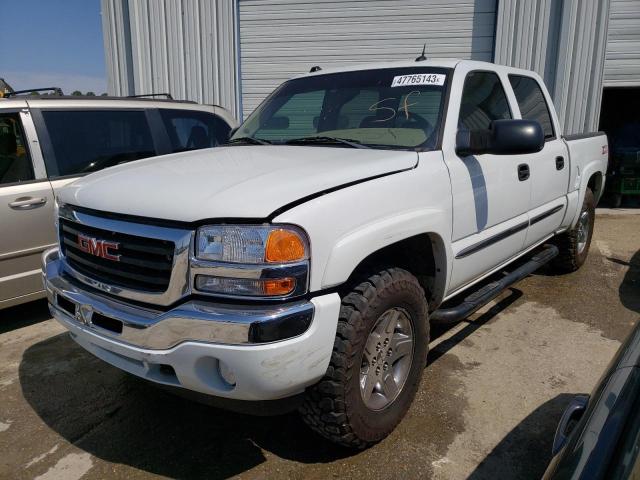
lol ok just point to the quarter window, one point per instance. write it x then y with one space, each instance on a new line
85 141
483 100
531 102
15 163
193 130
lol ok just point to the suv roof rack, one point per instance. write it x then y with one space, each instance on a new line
97 98
166 95
55 90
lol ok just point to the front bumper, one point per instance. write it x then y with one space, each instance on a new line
186 346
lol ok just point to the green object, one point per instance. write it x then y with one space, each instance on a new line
625 178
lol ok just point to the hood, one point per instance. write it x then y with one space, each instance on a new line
228 182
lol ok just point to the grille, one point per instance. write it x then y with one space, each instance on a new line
145 263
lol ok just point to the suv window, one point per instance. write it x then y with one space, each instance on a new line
192 130
85 141
532 103
15 163
483 100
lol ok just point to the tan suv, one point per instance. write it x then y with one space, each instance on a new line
47 142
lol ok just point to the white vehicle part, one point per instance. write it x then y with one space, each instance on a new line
588 156
375 214
262 372
228 182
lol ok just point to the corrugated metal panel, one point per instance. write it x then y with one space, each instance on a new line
183 47
564 41
283 38
117 46
622 64
527 36
580 66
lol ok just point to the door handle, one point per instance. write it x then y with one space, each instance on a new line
27 203
523 172
559 163
573 412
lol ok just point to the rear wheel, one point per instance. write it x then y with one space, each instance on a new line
574 244
379 355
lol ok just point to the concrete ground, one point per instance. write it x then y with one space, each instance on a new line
488 406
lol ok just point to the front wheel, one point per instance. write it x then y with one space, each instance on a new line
574 244
378 358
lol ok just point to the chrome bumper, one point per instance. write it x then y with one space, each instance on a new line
155 329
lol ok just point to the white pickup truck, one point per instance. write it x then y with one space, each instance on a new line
303 262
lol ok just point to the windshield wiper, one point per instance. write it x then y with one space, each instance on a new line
250 140
326 140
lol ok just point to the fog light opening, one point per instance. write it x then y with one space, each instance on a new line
226 374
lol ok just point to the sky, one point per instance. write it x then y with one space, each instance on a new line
46 43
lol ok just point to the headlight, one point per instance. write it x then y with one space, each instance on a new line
267 261
251 244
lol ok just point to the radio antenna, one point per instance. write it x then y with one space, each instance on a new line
422 57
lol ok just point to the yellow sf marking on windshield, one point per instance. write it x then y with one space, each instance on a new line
405 107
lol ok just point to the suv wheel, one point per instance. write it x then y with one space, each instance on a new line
379 355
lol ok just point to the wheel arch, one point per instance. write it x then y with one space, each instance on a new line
596 184
423 255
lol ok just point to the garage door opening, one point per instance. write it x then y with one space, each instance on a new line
620 119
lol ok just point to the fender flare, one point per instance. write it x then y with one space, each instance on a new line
354 247
591 169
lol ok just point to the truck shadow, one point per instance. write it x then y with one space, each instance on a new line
122 419
21 316
525 451
471 325
119 418
629 290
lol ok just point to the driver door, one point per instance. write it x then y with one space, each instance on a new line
491 193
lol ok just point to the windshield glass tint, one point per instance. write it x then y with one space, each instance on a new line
85 141
397 108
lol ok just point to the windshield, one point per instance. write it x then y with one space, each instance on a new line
399 108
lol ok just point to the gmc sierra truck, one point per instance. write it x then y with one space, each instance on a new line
305 259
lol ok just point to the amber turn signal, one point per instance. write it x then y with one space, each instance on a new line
284 246
281 286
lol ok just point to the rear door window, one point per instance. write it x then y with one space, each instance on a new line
531 102
15 163
84 141
193 130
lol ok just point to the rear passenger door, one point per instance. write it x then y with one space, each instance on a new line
549 168
26 209
79 141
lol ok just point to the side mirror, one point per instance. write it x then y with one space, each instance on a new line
504 137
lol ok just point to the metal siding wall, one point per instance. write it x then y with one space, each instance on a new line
117 46
527 36
564 42
183 47
622 64
581 64
283 38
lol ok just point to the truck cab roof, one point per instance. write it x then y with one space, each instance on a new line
451 63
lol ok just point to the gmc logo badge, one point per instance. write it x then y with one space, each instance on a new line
99 248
